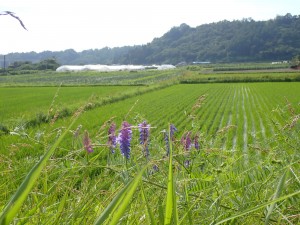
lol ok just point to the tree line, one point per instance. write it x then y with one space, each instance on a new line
243 40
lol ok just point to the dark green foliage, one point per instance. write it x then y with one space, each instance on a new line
3 129
295 63
26 67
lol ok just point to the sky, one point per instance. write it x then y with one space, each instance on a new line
57 25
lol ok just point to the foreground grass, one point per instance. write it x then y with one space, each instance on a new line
75 187
215 186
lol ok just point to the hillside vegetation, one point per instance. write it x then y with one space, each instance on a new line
225 41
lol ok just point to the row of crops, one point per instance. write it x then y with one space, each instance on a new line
232 116
90 78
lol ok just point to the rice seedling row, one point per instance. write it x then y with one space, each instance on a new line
262 119
256 127
189 117
211 119
223 116
202 114
222 134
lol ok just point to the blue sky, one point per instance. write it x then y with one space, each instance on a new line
89 24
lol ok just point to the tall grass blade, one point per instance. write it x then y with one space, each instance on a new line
170 190
16 201
115 210
150 213
126 200
188 213
258 207
175 211
112 205
160 211
276 195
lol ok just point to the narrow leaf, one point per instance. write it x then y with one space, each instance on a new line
258 207
16 201
126 200
114 211
170 191
276 195
151 216
112 205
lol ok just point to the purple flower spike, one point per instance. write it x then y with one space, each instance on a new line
186 141
87 142
187 163
166 139
124 139
112 139
144 130
173 129
196 142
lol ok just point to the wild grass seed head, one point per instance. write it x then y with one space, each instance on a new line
124 139
77 131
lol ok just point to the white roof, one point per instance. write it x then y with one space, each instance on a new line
106 68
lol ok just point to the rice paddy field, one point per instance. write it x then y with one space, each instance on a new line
163 147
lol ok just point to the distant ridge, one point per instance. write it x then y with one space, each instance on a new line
225 41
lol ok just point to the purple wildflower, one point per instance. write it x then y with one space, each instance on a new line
186 141
87 142
112 139
196 142
187 163
144 130
173 129
124 139
155 168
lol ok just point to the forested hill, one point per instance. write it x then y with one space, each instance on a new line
236 41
